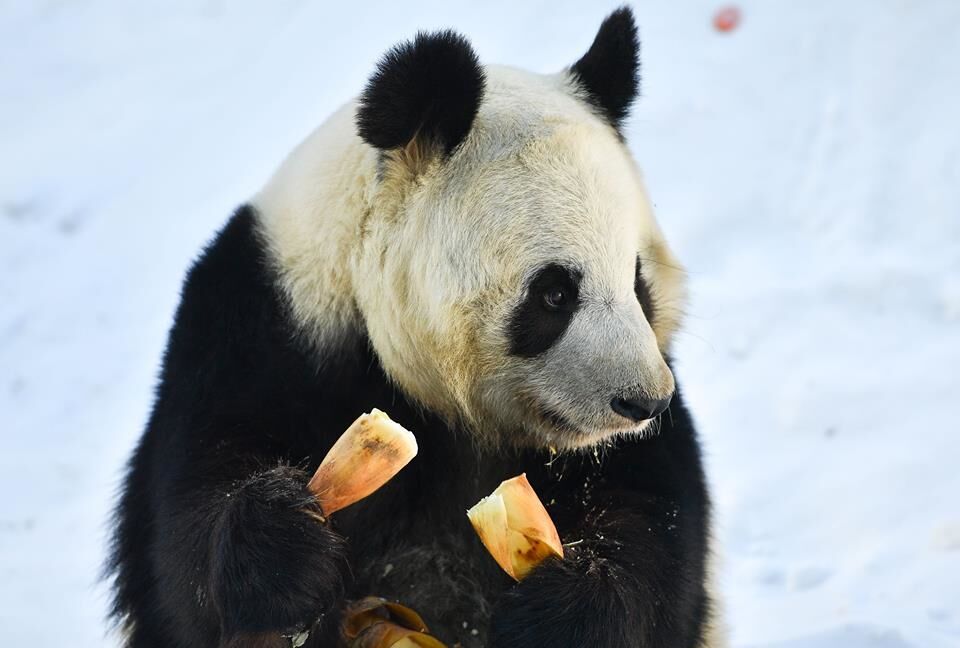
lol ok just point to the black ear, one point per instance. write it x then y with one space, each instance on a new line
428 89
610 70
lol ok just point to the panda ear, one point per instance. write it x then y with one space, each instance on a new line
427 90
609 73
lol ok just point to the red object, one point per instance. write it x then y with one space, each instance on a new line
727 19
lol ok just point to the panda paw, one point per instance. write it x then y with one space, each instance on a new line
276 565
563 605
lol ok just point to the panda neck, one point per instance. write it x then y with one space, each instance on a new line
310 215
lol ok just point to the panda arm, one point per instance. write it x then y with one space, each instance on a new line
251 530
237 541
633 574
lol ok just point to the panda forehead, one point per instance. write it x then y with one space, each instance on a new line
539 180
534 135
572 188
506 243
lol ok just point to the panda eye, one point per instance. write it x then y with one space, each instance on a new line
554 289
555 298
547 306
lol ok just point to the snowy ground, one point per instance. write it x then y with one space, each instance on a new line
806 167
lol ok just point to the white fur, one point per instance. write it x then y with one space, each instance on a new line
310 215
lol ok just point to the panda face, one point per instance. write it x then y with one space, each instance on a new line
489 232
537 294
579 280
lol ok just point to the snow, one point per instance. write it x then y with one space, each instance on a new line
806 167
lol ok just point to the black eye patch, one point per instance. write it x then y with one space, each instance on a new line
644 295
553 296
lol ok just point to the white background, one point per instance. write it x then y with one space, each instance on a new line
806 168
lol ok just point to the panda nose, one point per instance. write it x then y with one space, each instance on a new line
639 408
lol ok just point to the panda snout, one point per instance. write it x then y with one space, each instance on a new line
640 408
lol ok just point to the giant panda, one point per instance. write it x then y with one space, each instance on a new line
471 249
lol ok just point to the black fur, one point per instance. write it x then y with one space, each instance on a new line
642 290
271 564
430 88
215 544
610 70
535 327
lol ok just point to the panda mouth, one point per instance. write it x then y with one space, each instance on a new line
560 424
558 421
561 429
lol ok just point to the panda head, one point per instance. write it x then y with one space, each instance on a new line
522 284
